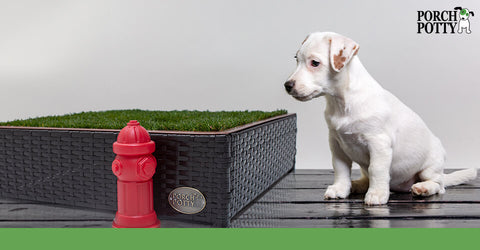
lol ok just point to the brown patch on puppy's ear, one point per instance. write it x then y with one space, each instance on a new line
339 60
342 49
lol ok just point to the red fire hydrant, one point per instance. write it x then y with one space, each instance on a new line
134 167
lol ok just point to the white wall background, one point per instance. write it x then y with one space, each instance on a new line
60 57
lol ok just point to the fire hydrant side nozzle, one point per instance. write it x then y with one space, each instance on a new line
134 167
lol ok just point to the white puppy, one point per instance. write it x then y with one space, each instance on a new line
368 125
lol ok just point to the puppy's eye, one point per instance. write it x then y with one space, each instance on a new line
315 63
295 57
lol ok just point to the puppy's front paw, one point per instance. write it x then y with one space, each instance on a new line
377 196
337 191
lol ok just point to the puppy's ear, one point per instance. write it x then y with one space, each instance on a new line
306 38
342 49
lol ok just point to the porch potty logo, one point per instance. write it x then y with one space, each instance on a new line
444 22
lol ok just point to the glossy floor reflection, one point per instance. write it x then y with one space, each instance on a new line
297 201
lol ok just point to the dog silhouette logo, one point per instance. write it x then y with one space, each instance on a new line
463 22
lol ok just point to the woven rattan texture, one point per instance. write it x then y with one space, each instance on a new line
74 167
64 167
198 161
261 156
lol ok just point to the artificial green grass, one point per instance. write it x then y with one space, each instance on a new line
151 120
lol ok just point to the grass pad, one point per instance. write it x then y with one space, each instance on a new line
151 120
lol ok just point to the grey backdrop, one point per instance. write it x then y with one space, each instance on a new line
59 57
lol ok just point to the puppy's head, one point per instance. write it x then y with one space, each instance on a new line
320 59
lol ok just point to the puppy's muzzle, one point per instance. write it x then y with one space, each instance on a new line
289 85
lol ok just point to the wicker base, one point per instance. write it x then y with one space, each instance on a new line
72 167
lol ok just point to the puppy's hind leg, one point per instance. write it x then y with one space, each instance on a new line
360 186
432 181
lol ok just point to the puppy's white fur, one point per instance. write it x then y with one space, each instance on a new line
368 125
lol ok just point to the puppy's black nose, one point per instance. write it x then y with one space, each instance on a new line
289 85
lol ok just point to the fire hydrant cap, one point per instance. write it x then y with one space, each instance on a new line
133 133
133 139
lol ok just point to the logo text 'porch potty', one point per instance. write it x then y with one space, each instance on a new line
444 22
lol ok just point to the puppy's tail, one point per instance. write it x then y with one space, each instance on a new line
459 177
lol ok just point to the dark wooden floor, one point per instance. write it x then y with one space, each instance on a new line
295 201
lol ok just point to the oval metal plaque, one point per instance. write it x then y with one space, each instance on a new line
187 200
